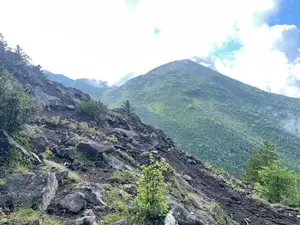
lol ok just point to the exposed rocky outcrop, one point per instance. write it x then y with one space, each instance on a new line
32 189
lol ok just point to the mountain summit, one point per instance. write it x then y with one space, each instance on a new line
214 117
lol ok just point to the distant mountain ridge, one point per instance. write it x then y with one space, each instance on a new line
71 82
92 87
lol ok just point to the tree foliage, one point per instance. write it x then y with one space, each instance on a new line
128 108
92 108
150 204
275 183
264 156
16 107
279 184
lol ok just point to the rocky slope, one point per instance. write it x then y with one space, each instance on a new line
84 172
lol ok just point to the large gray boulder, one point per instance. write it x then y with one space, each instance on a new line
44 99
73 202
32 189
94 150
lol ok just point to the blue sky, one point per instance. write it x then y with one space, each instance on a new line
254 41
288 13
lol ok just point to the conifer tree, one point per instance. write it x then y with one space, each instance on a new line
263 156
150 204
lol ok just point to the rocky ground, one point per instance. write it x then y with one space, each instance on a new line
84 172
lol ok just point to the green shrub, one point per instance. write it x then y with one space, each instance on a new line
150 204
13 161
16 107
93 109
128 108
110 218
116 202
73 176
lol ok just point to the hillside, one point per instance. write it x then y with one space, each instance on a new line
212 116
64 166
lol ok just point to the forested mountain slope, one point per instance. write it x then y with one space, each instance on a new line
214 117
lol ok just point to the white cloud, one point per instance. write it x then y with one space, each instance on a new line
260 62
106 39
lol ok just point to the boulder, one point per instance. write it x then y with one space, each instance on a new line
32 189
44 99
40 144
68 153
73 202
94 150
94 197
182 217
93 193
6 201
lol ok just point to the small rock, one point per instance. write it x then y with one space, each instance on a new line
122 193
154 152
190 161
88 212
72 107
187 178
84 168
94 197
73 202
